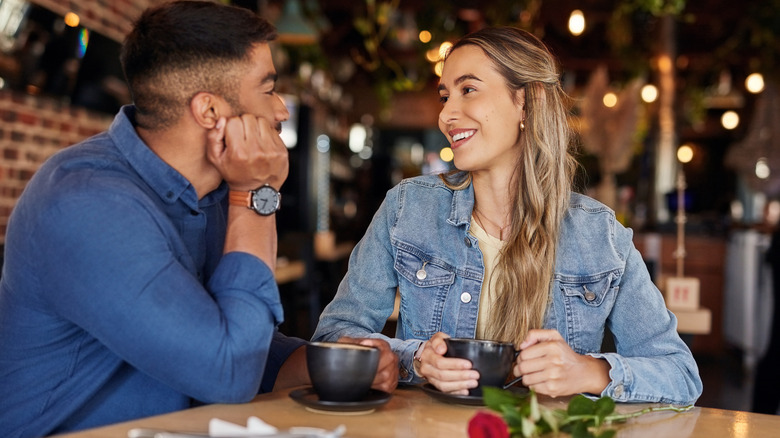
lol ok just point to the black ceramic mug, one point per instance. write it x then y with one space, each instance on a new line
492 359
340 371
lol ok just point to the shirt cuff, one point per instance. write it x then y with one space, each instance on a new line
281 348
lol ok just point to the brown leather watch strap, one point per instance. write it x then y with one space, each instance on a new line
241 199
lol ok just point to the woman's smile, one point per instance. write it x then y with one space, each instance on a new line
460 136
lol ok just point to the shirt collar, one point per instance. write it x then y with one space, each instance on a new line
166 181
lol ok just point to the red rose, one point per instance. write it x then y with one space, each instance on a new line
484 425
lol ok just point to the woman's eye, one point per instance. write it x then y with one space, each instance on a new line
443 99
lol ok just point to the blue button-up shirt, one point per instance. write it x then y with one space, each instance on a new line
116 301
600 281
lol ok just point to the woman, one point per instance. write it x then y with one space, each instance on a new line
502 249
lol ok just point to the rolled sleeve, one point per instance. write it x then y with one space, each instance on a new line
245 273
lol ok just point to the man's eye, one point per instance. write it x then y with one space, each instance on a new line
467 90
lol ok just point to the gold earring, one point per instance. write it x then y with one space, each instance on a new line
522 126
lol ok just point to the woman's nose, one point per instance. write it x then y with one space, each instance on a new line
447 114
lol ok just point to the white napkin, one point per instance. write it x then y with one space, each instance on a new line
254 426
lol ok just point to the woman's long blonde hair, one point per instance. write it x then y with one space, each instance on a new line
542 181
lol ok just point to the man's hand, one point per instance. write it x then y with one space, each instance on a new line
386 378
248 152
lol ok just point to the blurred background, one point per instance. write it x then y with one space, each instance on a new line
676 104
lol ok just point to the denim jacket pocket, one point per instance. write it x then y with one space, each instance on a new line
591 290
588 302
425 283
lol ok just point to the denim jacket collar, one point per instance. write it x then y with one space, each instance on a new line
462 204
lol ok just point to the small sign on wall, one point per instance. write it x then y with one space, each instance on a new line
682 293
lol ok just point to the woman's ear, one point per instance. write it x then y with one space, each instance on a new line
205 109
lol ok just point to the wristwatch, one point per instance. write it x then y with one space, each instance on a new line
264 200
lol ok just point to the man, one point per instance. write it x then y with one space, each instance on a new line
138 274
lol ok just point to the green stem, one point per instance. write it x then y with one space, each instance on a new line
620 417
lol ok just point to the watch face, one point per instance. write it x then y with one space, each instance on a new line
266 200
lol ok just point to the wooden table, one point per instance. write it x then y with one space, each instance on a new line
412 413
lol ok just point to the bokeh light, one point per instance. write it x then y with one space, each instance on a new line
649 93
755 83
610 100
576 22
729 120
446 154
71 19
685 153
762 168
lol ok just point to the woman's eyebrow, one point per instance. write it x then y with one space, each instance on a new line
460 79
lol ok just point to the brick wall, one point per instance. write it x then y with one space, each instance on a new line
32 128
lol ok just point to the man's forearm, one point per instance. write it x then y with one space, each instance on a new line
294 371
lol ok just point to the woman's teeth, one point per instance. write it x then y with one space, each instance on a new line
462 135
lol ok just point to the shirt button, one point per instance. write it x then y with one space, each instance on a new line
467 241
404 374
590 296
619 391
465 297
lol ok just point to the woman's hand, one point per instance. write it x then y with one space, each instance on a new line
386 378
448 374
549 366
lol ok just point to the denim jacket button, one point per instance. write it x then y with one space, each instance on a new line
619 391
590 296
467 241
465 297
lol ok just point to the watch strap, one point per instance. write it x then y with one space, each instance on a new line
239 198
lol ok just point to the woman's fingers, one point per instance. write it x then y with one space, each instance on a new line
448 374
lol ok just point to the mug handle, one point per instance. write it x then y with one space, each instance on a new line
517 379
512 382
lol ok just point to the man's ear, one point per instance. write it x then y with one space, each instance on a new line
205 109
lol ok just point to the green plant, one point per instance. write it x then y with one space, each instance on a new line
525 417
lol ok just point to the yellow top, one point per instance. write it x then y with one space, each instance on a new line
490 247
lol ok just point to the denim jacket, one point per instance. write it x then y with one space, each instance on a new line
600 281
